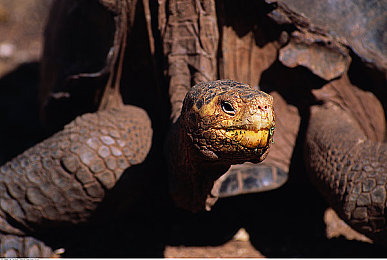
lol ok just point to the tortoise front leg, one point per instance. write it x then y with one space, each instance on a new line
349 169
24 246
63 179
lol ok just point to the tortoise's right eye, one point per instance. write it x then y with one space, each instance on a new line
228 108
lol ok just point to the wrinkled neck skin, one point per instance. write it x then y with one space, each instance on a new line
191 174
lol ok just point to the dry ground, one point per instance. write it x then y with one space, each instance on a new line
240 245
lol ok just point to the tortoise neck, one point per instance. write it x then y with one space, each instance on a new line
191 175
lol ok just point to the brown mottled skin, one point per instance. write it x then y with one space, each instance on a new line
64 178
222 123
348 159
350 172
320 105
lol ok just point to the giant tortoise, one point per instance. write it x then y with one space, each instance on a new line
149 55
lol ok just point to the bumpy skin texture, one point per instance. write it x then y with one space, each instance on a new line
229 119
349 169
64 178
346 156
222 123
17 246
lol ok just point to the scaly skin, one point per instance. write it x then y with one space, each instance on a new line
222 123
349 170
17 246
64 178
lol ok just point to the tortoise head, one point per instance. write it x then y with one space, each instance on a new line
229 121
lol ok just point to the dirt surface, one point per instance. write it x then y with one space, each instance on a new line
234 249
271 227
240 245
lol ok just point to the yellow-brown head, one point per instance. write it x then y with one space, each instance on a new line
228 120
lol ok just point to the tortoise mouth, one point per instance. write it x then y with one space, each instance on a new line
248 137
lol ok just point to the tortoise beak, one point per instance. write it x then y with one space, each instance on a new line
255 131
261 118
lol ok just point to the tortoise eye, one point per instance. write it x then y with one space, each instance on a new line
228 108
